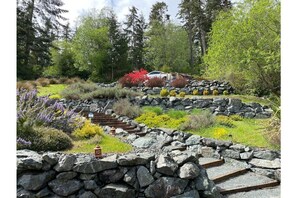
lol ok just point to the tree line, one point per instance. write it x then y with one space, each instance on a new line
101 48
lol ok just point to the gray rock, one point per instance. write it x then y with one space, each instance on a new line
166 187
249 114
120 131
246 155
22 193
131 137
238 147
130 178
65 188
35 181
172 99
235 102
188 171
275 164
65 163
206 151
266 172
144 142
51 158
112 176
116 190
152 167
95 165
178 143
144 176
185 157
28 160
220 101
87 194
66 175
194 139
189 194
87 176
268 155
135 159
202 182
90 185
166 165
44 192
214 143
168 131
231 154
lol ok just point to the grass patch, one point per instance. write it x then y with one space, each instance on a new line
157 110
249 132
108 144
53 90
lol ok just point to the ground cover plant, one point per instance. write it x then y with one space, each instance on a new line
52 90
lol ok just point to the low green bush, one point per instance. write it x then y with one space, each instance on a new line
157 110
195 92
45 139
124 107
164 93
43 82
225 92
198 121
225 121
205 92
176 114
182 94
172 93
88 130
215 92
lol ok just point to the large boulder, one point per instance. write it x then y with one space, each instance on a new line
144 142
65 188
188 171
135 159
144 176
116 190
96 165
35 181
65 163
166 165
28 160
113 175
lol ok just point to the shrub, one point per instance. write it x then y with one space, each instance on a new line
179 83
124 107
195 92
215 92
236 117
164 93
205 92
273 130
220 133
176 114
151 119
157 110
182 94
155 82
53 81
134 78
43 82
225 92
172 93
26 85
44 139
198 121
40 111
88 130
225 121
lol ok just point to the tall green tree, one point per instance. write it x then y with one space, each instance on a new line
135 28
38 22
245 47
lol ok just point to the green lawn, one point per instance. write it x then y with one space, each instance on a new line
53 90
108 144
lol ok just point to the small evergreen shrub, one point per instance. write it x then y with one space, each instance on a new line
182 94
155 82
205 92
225 121
172 93
164 93
215 92
225 92
236 117
88 130
124 107
198 121
179 83
195 92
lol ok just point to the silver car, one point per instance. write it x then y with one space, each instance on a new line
159 74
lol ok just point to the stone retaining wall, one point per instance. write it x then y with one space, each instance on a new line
218 106
145 174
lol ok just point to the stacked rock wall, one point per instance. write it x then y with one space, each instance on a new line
131 175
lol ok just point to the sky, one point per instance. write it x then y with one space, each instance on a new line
121 7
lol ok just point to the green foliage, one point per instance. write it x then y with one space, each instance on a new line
172 93
88 130
225 121
124 107
205 92
195 92
198 121
176 114
225 92
45 139
220 133
164 93
245 47
53 91
157 110
215 92
236 117
151 119
182 94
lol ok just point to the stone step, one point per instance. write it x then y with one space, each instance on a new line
224 172
246 182
207 162
272 192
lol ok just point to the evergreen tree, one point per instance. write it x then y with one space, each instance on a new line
38 22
